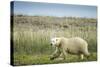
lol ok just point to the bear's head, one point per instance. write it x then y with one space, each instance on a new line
55 41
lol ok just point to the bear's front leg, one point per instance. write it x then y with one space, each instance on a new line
64 54
55 54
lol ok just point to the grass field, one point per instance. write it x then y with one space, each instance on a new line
31 37
44 59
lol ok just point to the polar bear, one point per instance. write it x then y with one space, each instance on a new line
75 45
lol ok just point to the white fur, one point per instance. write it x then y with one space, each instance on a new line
74 45
54 41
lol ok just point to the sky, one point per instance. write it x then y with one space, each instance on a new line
53 9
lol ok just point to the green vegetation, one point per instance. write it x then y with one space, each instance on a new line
31 37
44 59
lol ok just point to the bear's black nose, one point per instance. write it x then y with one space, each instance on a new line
51 44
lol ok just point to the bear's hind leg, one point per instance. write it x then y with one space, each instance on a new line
81 56
87 54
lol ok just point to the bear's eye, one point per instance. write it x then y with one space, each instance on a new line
56 39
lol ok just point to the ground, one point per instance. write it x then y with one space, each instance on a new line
44 59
